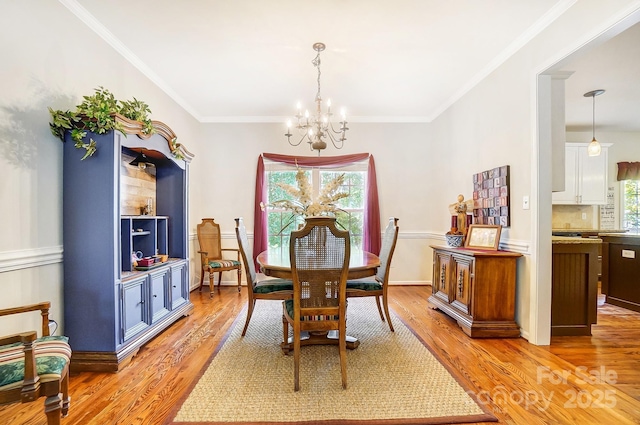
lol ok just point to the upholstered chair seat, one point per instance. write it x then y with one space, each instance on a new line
272 285
364 284
377 286
32 367
223 264
259 286
52 354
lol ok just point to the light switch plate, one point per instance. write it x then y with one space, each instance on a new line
525 202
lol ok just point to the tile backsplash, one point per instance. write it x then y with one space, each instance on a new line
574 217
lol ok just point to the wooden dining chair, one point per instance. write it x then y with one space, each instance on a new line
32 367
319 254
211 257
259 287
378 285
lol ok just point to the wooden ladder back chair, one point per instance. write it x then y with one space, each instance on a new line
258 287
210 241
32 367
378 286
319 254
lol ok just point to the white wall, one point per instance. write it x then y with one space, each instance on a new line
50 58
225 183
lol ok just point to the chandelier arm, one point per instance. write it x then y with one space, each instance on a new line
294 144
334 142
343 127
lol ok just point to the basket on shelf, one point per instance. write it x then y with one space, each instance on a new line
454 240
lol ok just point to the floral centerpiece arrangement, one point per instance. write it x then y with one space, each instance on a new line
303 203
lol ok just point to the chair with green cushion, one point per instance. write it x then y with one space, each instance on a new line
259 286
319 255
32 367
378 285
211 251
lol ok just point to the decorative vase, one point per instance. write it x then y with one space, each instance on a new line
454 241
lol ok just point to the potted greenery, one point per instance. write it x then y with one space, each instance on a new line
101 113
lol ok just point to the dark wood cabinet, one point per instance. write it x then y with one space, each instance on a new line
111 307
574 285
621 270
477 289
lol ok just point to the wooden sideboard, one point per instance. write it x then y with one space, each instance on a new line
477 288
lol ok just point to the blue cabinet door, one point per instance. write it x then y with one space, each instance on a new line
134 310
159 284
179 285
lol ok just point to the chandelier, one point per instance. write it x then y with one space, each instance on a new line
318 129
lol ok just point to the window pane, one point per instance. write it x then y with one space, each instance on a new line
280 223
631 211
275 192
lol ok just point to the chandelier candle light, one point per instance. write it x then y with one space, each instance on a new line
316 130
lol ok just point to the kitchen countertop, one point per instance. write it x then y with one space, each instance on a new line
618 235
574 240
590 232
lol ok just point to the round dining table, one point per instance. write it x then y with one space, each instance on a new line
275 263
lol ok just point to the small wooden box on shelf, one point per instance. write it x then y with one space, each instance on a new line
477 288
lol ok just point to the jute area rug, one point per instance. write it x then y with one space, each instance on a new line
392 378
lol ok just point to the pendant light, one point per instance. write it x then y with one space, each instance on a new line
141 160
594 147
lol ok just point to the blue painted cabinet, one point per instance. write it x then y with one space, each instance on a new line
112 307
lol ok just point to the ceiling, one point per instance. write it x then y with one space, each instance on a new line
385 61
615 67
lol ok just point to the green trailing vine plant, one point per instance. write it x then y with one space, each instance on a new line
175 149
96 114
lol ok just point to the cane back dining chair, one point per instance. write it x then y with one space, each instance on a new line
32 367
259 287
378 285
211 252
319 254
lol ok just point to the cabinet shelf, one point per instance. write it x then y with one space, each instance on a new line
151 240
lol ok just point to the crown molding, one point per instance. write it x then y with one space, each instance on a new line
547 19
96 26
283 120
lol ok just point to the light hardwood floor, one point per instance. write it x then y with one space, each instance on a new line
523 383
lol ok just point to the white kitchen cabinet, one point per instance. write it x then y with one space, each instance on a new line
585 176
